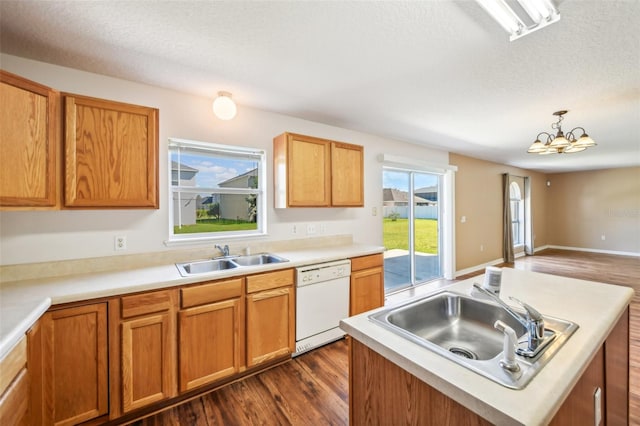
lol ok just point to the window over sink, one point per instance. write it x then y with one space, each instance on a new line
216 191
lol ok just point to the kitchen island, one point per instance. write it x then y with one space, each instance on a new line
393 380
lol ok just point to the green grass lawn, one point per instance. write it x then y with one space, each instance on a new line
212 225
395 235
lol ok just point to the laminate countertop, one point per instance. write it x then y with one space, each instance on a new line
23 302
595 307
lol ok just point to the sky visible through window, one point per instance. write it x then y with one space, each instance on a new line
213 170
400 180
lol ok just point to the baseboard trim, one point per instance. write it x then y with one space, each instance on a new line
478 267
617 253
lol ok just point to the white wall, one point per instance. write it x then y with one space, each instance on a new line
59 235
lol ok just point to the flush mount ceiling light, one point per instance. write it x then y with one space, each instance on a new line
561 144
223 106
522 17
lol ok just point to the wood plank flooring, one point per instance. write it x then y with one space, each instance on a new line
312 389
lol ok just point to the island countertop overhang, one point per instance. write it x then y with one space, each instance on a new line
595 307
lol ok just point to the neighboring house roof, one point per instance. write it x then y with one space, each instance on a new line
248 174
426 189
397 196
428 192
183 167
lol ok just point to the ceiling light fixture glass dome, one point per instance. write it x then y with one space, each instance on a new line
223 106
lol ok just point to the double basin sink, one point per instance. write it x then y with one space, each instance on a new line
461 328
196 267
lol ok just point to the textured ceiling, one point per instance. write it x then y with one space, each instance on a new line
439 73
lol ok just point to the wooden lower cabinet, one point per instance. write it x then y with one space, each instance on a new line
143 350
270 316
14 386
367 284
211 331
74 364
381 392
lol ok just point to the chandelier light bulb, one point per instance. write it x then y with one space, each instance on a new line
560 143
223 106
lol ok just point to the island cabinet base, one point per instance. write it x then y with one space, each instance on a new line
380 392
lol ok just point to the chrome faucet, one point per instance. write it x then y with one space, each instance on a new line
224 250
533 322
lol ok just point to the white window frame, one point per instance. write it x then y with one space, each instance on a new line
517 200
447 203
193 147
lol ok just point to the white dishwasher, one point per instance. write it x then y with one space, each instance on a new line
322 300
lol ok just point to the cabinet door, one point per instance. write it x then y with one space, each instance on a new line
209 343
309 172
28 143
111 153
148 360
270 325
347 175
367 290
75 364
579 407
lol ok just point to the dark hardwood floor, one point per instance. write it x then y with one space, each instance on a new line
312 389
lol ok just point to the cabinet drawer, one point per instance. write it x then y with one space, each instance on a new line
11 365
210 292
364 262
145 303
269 280
15 401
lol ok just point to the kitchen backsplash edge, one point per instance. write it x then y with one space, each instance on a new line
27 271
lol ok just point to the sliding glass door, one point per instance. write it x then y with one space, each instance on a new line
411 228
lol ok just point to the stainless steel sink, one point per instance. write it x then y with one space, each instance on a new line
461 328
258 259
204 266
187 269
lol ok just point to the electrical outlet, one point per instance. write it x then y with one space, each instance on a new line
323 228
604 237
120 243
295 229
374 211
311 229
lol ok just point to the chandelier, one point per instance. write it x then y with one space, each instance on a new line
561 144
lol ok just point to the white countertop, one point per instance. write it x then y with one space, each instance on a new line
595 307
23 302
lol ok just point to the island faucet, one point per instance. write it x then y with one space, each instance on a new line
224 250
533 322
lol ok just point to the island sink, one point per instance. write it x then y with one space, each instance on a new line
461 328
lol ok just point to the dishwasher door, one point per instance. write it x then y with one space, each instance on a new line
321 306
322 300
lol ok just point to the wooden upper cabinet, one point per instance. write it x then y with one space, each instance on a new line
111 154
28 143
347 175
314 172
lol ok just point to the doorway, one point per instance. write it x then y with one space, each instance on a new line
412 233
